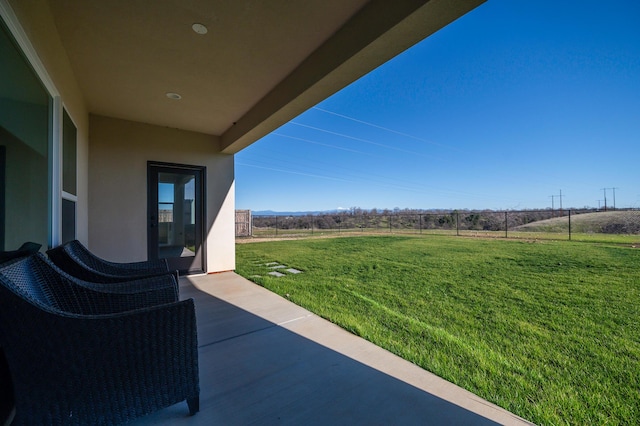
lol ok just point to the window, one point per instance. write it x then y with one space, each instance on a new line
69 166
68 220
25 128
69 178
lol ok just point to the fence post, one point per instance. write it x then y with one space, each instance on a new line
457 224
506 224
390 222
311 224
420 223
569 224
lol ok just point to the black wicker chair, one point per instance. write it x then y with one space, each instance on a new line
78 357
25 249
123 295
75 259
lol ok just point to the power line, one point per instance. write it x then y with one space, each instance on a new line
273 169
285 162
386 129
323 144
351 176
413 153
366 141
376 126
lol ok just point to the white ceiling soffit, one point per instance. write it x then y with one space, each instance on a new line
249 67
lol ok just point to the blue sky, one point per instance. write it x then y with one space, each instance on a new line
502 109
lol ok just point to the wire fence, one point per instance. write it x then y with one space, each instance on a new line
568 224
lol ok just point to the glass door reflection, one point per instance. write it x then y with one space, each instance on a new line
175 216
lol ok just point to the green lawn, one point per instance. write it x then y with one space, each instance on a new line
548 330
529 234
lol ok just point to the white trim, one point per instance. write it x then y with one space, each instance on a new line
55 153
70 197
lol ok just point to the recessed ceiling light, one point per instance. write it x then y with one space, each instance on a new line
172 95
199 29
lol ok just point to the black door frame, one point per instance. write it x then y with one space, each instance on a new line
3 184
153 170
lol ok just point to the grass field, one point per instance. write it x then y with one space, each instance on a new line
626 222
531 234
549 330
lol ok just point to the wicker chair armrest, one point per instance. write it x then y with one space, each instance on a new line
104 277
89 298
136 285
76 369
76 260
97 299
154 266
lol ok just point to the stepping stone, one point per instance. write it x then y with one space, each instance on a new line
277 267
276 274
271 263
294 271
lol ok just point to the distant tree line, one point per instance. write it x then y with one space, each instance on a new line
407 219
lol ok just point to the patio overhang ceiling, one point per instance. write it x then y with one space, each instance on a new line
260 64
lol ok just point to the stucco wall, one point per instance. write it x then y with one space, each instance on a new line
112 156
118 155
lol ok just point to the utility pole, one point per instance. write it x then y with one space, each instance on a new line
560 202
614 196
553 197
605 198
599 204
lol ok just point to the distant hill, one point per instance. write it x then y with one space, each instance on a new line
611 222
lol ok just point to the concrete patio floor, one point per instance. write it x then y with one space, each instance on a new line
264 360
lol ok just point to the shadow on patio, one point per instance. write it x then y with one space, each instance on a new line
264 360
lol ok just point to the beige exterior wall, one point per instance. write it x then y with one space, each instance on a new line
112 159
119 151
36 20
